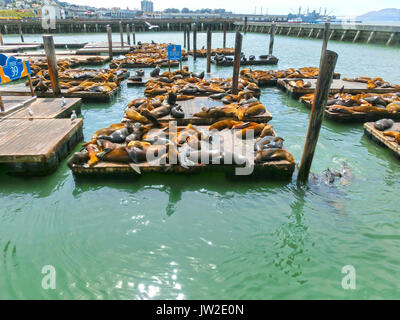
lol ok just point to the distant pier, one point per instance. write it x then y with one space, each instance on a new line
356 33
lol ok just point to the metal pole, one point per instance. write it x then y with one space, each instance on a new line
48 44
208 51
324 81
236 64
271 39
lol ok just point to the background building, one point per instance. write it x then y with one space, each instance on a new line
147 6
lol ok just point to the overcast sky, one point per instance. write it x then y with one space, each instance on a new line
336 7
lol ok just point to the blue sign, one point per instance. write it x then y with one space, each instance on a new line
174 52
13 69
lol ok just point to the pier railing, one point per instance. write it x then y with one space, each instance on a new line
357 33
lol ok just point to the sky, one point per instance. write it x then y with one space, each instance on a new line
335 7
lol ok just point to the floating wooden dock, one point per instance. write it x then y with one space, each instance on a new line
279 170
46 108
13 103
356 117
192 106
98 48
336 87
143 65
262 83
380 138
72 45
20 89
81 60
37 146
18 47
256 62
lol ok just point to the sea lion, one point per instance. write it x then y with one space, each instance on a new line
257 129
139 73
177 112
393 134
135 116
119 154
273 155
267 131
223 124
383 124
155 73
217 96
120 135
78 157
393 107
198 75
92 150
255 110
161 111
269 142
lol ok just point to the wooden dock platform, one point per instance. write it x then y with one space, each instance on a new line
47 108
356 117
81 60
18 47
257 62
337 86
192 106
14 103
380 138
37 146
20 89
278 170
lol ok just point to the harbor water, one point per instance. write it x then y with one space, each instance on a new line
165 236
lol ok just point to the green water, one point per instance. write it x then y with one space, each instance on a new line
206 237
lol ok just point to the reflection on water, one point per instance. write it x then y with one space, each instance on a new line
206 236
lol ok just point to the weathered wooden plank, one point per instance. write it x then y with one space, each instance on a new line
49 108
380 138
23 140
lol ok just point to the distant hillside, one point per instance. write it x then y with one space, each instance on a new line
391 14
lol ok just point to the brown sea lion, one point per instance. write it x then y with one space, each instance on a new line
273 155
135 116
393 134
223 124
119 154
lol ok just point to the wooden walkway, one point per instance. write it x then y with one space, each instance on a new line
336 87
192 106
47 108
380 138
37 146
13 103
20 89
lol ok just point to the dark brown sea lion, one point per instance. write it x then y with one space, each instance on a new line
273 155
383 124
117 155
78 157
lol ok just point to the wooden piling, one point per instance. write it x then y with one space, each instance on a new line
271 38
20 33
188 37
121 33
224 39
128 34
194 41
2 109
208 50
324 81
110 45
245 25
1 39
325 39
236 64
133 34
48 44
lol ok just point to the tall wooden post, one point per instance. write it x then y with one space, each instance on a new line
194 41
20 33
188 37
121 33
271 39
184 38
236 63
128 34
324 81
2 109
208 51
325 40
224 39
110 44
133 34
245 25
48 44
1 39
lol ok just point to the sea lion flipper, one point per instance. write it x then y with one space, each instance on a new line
135 167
